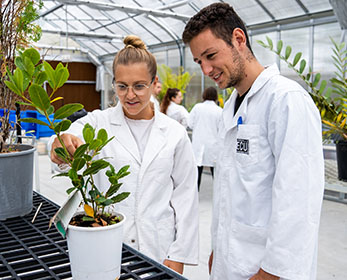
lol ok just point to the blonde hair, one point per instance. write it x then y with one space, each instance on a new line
135 51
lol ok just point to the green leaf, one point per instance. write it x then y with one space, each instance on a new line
50 110
65 174
302 66
29 67
260 42
95 167
95 144
41 78
50 74
61 153
67 110
70 190
18 61
113 189
113 179
102 135
62 126
107 202
13 87
297 58
88 133
316 80
61 77
80 151
288 52
73 174
279 46
18 79
269 42
87 219
78 163
123 171
33 120
120 197
328 92
323 84
39 97
33 55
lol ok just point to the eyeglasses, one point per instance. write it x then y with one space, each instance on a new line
138 89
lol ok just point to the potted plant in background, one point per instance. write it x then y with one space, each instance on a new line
16 31
331 101
98 227
170 80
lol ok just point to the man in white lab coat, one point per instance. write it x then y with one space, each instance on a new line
270 174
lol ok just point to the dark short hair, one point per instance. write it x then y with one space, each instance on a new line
220 18
210 94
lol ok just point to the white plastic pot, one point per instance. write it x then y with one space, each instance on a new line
95 253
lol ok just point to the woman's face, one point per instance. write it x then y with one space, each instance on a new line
136 104
178 98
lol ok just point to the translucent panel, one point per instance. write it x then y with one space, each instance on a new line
317 5
250 12
194 89
264 56
174 60
322 60
283 8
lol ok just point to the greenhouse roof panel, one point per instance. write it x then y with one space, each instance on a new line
97 24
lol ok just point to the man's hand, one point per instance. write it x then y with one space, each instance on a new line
263 275
210 261
71 142
176 266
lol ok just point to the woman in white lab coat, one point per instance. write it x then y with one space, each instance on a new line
170 106
203 120
162 209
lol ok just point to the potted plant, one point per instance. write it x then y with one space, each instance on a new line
331 101
16 31
97 226
170 80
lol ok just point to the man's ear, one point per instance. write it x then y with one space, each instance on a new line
239 37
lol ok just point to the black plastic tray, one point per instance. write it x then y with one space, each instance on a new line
31 251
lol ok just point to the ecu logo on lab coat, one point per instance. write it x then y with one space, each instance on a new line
242 146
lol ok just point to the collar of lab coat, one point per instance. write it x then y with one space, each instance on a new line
156 139
230 121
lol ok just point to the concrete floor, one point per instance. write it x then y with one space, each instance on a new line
332 258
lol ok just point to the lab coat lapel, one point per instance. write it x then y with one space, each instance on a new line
230 121
156 141
123 134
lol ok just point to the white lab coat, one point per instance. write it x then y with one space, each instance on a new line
178 113
162 209
204 120
269 183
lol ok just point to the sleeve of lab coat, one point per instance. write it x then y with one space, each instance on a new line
191 118
185 204
294 134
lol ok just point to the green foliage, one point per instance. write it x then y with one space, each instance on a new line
83 163
171 80
333 110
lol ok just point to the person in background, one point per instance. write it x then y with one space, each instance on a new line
162 209
170 106
154 96
204 120
269 178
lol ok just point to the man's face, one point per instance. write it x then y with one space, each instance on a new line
157 89
219 61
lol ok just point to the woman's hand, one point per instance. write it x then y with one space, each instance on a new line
71 142
176 266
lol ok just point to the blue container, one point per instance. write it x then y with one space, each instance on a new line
37 129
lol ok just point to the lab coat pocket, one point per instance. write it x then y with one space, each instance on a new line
247 246
247 145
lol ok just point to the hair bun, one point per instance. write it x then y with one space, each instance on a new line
132 41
